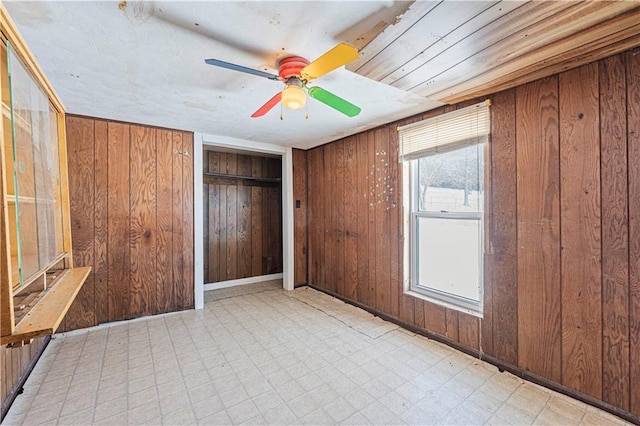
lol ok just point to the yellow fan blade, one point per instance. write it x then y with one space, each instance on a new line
340 55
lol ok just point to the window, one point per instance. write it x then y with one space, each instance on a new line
444 160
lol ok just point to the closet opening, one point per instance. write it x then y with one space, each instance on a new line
242 217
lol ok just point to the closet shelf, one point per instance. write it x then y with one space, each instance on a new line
253 178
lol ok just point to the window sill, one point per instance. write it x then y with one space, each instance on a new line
435 301
52 305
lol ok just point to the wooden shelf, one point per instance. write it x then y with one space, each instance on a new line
227 176
47 313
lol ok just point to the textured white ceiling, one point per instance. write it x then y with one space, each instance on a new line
143 62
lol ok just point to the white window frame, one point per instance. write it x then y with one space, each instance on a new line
411 215
432 295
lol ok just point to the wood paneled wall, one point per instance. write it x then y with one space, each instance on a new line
131 195
242 217
300 234
14 363
562 265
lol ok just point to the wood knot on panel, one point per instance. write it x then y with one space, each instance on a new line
147 234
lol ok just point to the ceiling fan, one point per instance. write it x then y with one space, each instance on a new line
296 73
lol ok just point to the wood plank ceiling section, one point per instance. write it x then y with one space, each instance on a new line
451 51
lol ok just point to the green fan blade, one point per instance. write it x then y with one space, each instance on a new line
335 102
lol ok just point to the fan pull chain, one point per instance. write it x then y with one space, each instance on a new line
306 113
281 114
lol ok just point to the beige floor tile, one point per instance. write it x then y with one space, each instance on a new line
242 412
184 416
302 405
316 417
339 410
110 408
378 413
234 396
142 414
173 403
280 415
78 417
289 390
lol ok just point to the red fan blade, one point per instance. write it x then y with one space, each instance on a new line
267 107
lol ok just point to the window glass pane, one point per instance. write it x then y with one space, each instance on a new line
9 171
451 181
448 255
37 171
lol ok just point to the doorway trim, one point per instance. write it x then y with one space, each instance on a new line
199 141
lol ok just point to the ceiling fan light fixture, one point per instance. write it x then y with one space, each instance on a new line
293 97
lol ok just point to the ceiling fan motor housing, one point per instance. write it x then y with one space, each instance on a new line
291 66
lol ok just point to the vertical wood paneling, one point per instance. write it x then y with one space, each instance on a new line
419 309
395 222
362 203
615 233
177 212
301 226
371 212
212 236
338 214
435 318
207 191
313 215
580 230
224 274
257 231
165 292
244 235
231 213
244 219
539 318
350 220
383 277
118 229
143 221
328 268
186 291
469 330
317 215
633 139
137 189
503 302
100 222
451 318
14 363
81 157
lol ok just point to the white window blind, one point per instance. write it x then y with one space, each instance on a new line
453 130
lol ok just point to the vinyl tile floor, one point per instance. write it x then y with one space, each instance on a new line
259 355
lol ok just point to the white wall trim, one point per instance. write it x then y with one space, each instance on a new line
287 220
198 244
406 222
242 281
201 139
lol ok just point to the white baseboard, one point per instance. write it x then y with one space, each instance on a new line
242 281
